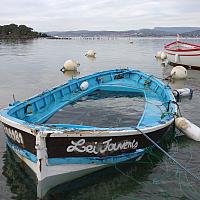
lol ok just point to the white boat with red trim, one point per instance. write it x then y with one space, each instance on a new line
183 53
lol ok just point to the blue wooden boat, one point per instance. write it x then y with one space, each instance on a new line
57 153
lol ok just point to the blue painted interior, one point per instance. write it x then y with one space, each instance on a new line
40 108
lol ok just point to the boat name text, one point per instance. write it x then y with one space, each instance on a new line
96 148
14 135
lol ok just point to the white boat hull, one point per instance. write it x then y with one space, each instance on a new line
190 59
59 174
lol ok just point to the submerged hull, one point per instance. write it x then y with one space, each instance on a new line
188 56
59 153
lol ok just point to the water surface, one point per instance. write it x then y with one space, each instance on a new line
32 66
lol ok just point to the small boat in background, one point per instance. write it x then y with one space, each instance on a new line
58 153
183 53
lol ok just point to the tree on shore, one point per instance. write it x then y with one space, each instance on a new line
14 31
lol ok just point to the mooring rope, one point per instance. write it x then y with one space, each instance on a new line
168 155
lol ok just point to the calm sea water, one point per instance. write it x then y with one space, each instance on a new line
29 67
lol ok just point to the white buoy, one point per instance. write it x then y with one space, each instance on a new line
90 53
70 65
84 85
179 72
188 128
163 56
158 54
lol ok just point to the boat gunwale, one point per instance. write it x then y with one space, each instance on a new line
74 132
167 47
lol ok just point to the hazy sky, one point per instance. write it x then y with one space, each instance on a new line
49 15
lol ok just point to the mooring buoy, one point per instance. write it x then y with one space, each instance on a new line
179 72
188 128
90 53
70 65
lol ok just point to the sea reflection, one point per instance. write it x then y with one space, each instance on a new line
91 59
16 41
71 74
18 178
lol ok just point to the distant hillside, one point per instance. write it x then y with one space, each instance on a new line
156 32
177 30
153 33
129 33
13 31
192 34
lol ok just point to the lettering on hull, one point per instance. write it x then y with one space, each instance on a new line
14 135
80 146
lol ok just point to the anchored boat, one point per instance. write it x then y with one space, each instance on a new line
57 153
183 53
